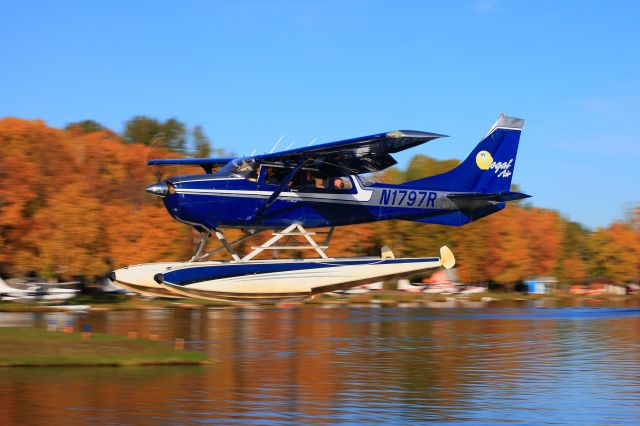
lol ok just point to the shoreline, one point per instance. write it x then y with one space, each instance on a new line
376 297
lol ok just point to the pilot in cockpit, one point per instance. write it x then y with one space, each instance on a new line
271 177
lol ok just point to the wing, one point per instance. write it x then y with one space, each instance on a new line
359 155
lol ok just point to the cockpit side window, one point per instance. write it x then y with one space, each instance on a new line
304 180
240 168
317 181
275 175
272 175
342 183
314 180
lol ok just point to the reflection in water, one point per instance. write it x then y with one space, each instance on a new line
310 364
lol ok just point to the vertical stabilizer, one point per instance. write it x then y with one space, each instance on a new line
4 287
489 168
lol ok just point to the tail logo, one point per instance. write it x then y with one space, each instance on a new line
503 168
484 160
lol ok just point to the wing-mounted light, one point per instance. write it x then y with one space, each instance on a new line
159 189
395 134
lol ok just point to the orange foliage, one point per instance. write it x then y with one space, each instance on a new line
542 229
144 234
353 240
510 254
574 269
615 252
73 204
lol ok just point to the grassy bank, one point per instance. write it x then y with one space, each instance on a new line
30 347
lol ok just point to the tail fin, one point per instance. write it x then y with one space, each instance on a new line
489 167
4 287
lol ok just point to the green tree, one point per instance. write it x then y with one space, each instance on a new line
84 127
201 143
422 166
142 129
175 133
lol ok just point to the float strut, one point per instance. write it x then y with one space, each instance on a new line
226 244
201 244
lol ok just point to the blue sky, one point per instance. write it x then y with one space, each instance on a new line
251 71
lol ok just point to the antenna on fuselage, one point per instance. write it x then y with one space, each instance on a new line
312 141
277 143
253 152
289 146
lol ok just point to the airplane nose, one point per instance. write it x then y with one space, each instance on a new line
159 189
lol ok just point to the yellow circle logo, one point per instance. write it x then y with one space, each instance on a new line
484 160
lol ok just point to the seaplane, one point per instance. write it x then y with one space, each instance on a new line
41 292
323 186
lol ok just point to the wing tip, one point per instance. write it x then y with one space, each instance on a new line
418 134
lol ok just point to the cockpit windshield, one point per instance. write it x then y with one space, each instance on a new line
245 168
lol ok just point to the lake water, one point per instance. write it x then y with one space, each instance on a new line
517 364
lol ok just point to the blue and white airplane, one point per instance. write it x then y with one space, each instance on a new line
322 186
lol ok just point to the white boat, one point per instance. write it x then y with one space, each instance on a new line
441 288
406 285
472 289
36 292
361 289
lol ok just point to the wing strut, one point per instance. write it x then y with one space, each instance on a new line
285 182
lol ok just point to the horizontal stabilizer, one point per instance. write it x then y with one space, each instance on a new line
497 197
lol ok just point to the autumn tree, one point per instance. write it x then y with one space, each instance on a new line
472 250
614 253
63 192
509 248
543 230
143 234
67 239
572 268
